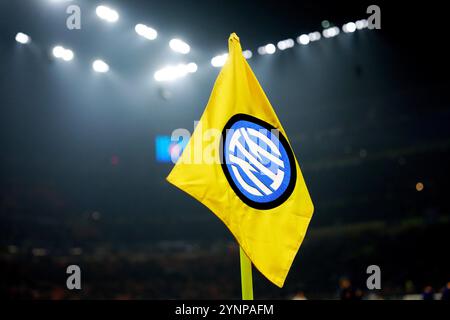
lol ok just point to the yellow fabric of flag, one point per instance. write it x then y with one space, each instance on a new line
239 163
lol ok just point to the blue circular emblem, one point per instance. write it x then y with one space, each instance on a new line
257 161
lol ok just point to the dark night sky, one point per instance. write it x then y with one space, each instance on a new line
367 113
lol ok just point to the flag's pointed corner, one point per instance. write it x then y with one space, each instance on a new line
234 44
279 282
275 279
233 37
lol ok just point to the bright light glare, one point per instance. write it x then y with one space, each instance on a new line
270 48
192 67
314 36
303 39
361 24
267 49
58 52
62 53
100 66
145 31
171 73
219 61
22 38
285 44
330 32
262 50
349 27
67 55
107 13
247 54
179 46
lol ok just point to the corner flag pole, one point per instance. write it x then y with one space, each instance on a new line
246 276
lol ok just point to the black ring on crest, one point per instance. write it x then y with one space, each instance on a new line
285 195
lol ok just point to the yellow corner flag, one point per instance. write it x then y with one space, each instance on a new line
240 165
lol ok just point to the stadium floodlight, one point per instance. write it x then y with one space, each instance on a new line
349 27
219 61
336 31
100 66
67 55
146 31
247 54
22 38
62 53
192 67
361 24
58 51
262 50
330 32
285 44
314 36
106 13
179 46
304 39
270 48
365 23
171 73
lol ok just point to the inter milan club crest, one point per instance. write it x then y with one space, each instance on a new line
258 162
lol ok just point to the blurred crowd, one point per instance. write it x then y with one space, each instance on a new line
189 272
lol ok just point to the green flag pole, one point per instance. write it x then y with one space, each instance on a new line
246 276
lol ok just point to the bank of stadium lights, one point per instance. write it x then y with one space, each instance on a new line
179 46
107 14
171 73
146 31
100 66
62 53
22 38
285 44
